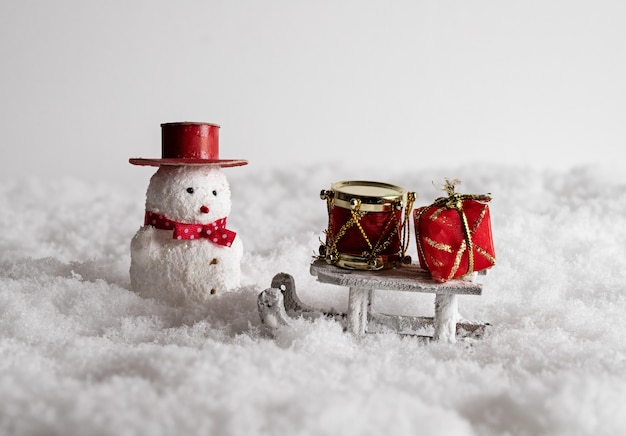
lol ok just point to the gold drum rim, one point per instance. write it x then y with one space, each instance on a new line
370 196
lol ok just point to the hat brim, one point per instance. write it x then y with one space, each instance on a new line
189 162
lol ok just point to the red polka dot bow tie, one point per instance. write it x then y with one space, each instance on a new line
215 232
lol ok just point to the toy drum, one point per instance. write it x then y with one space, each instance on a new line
367 225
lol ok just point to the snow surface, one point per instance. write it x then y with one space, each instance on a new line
80 354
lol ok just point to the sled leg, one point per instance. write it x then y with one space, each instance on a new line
358 304
446 315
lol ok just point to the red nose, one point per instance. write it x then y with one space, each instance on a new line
204 209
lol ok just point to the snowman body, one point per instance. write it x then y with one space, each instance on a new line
192 202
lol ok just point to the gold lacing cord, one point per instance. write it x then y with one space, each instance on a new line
356 219
332 252
454 201
329 227
406 227
420 246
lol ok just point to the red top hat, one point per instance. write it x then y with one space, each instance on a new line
189 143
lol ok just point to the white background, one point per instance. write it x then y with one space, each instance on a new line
85 85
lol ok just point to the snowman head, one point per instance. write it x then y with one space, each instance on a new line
189 194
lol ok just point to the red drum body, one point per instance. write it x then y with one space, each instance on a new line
367 225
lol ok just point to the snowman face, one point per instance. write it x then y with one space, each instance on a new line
189 194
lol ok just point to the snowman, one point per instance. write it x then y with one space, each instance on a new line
185 252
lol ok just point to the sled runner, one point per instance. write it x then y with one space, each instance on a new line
280 302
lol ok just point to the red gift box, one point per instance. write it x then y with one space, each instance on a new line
454 235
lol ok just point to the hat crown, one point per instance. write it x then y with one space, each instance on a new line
190 140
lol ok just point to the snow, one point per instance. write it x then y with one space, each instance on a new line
81 354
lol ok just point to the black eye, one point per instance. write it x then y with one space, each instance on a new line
190 190
215 193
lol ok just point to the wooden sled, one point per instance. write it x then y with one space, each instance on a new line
280 303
